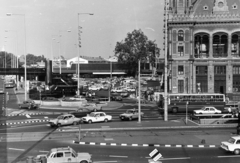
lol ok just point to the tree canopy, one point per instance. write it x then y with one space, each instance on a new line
31 59
134 47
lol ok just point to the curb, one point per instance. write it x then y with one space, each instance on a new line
146 145
23 122
10 115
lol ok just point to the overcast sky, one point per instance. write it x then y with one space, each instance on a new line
47 19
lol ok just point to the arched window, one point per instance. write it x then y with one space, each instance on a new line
180 35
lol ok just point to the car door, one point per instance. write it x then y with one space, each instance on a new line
69 157
97 117
57 157
70 120
211 110
64 121
206 110
102 117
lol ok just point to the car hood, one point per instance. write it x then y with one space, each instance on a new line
53 120
125 114
226 143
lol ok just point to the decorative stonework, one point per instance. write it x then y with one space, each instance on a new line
220 7
234 6
205 7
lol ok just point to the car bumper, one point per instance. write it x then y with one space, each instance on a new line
225 148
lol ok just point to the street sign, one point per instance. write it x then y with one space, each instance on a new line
155 155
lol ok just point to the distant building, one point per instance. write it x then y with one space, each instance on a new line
204 46
85 60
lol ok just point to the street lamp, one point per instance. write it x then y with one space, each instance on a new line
79 45
52 51
25 51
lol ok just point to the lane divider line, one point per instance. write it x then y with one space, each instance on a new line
146 145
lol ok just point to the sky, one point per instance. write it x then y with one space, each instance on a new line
52 25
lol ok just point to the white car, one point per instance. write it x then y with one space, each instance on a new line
232 145
97 117
208 110
94 88
66 154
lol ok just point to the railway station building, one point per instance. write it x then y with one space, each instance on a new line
204 47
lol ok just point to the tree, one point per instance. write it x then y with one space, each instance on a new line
134 47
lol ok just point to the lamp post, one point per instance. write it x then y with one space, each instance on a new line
60 60
25 51
78 49
139 90
52 50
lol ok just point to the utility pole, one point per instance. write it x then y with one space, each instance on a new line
166 61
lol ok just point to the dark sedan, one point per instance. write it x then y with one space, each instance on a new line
81 112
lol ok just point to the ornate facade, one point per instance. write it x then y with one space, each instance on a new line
204 46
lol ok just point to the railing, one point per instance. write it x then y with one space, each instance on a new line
220 55
17 71
205 55
234 54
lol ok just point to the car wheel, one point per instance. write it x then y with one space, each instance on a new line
130 118
90 121
84 161
174 110
236 151
122 118
75 123
59 124
106 120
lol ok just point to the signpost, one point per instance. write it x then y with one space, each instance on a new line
186 112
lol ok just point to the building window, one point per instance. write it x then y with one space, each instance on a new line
180 35
180 70
180 86
201 70
180 3
236 86
220 70
181 50
236 70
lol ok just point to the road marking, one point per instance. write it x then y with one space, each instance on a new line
103 161
45 117
118 156
179 158
227 156
16 149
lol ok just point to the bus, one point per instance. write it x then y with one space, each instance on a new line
177 102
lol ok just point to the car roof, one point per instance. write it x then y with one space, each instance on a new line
62 149
97 112
67 114
236 137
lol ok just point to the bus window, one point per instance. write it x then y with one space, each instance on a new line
192 98
217 98
185 98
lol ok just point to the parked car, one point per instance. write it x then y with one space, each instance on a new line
130 114
232 145
66 119
66 154
80 112
207 110
97 117
91 106
28 104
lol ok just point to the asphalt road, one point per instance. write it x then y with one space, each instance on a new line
19 151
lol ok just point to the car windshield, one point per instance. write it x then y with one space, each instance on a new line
92 114
129 111
48 154
60 117
231 141
74 153
203 108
